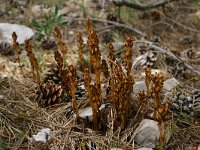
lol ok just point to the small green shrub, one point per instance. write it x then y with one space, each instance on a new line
51 21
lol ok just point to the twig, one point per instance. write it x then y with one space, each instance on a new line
182 25
139 6
162 22
110 22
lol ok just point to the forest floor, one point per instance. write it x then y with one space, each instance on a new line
174 28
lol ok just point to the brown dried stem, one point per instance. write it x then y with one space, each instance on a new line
33 61
72 86
128 55
61 43
59 60
93 98
111 55
162 115
157 85
80 48
142 99
104 68
148 80
16 49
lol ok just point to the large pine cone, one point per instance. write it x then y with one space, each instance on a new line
6 49
49 94
53 75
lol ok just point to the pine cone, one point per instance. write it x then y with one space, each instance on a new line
49 94
48 44
6 49
53 75
186 103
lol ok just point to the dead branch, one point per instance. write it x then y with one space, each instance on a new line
139 6
110 22
182 25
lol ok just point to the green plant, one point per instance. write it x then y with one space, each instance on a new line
3 145
46 28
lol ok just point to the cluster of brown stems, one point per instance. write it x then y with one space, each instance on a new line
121 84
120 80
94 90
69 73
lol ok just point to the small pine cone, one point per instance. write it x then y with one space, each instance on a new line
6 49
49 94
53 75
48 44
149 60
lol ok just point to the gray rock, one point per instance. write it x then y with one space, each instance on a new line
87 112
1 97
139 86
170 84
147 133
23 32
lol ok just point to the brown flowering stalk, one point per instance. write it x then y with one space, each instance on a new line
157 85
72 87
33 61
111 56
16 49
148 80
61 43
94 99
162 115
104 68
59 61
94 90
80 48
88 25
128 55
142 101
95 55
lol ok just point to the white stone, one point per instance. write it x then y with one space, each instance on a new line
23 32
1 97
139 86
143 148
43 135
170 84
147 133
167 85
87 112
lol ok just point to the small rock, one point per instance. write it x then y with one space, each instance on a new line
1 97
43 135
143 148
87 112
170 84
147 133
139 86
22 32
